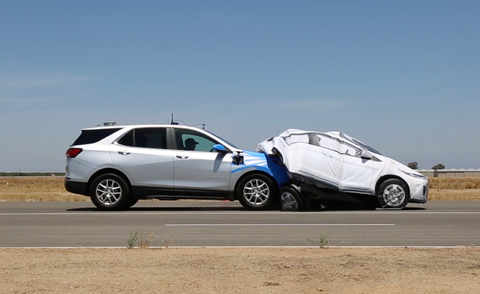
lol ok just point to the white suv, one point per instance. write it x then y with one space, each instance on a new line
118 165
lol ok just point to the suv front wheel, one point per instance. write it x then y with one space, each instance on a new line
110 192
257 191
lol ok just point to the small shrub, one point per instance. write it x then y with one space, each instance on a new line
132 240
322 240
140 242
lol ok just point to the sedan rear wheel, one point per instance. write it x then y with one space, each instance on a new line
290 199
110 192
393 193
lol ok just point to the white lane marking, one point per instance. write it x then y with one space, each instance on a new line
460 247
268 225
237 213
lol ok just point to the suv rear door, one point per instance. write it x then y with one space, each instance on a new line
143 156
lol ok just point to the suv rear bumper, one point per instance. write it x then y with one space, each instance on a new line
76 187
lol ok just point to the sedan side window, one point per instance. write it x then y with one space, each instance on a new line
330 144
297 138
348 149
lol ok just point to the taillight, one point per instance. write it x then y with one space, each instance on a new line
73 152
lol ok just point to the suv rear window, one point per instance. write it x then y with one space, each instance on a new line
93 136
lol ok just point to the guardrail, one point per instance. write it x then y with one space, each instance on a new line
449 173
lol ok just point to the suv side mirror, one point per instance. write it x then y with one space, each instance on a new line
219 148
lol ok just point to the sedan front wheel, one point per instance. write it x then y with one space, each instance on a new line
393 193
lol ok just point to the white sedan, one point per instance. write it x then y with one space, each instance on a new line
336 162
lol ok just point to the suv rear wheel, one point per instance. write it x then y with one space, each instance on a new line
110 192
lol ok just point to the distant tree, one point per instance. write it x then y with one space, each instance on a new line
438 166
413 165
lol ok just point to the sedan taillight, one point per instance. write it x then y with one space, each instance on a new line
73 152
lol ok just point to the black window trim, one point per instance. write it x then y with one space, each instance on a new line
144 127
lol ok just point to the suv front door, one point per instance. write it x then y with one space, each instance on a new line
198 170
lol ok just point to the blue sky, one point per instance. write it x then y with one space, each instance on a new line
402 76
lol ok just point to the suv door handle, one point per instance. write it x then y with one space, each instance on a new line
123 152
182 157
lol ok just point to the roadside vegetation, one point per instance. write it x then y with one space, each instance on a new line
34 174
50 188
462 188
36 188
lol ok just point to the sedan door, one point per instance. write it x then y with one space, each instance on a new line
328 161
357 171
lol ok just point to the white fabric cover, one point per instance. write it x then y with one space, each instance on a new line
335 160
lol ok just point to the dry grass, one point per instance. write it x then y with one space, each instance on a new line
455 183
454 189
41 189
46 189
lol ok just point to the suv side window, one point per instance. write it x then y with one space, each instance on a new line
93 136
193 141
146 138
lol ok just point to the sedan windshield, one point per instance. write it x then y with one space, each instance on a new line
360 143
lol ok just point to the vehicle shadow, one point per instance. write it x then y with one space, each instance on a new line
355 207
164 208
235 208
319 200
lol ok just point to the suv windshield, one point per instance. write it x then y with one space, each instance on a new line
222 139
93 136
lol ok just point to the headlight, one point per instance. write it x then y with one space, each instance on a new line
415 175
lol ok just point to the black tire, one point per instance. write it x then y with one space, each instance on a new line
291 199
257 191
393 193
132 202
110 192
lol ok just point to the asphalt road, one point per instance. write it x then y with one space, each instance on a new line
218 223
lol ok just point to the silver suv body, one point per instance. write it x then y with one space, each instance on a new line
118 165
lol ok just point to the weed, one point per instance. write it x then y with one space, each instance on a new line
168 242
322 240
145 243
140 242
132 240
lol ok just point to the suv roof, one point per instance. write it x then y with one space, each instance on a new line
91 135
139 125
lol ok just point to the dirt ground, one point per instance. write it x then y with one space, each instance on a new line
240 270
